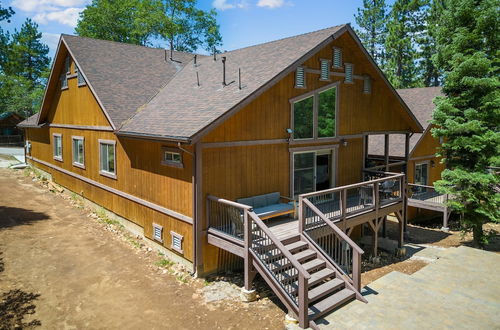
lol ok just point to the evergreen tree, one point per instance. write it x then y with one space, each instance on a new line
404 26
371 19
430 74
468 118
5 15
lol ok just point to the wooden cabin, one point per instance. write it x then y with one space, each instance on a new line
424 167
255 156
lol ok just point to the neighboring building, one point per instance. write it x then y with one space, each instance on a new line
170 141
10 135
424 167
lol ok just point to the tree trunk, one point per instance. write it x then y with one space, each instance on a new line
477 232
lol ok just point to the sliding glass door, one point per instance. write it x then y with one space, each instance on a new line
313 171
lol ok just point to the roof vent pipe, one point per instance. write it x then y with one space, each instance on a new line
194 60
215 55
224 71
239 78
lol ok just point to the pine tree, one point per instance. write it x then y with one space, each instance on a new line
468 118
404 26
430 74
371 19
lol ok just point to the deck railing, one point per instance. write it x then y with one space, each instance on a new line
426 194
226 216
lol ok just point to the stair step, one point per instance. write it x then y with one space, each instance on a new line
320 276
313 264
295 246
305 255
324 306
324 289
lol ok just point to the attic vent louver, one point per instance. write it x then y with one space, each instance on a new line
337 58
325 70
300 77
348 72
367 84
157 232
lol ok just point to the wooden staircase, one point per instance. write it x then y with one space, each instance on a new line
326 288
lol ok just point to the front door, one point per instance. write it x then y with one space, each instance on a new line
312 171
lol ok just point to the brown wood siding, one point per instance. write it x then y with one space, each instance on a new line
268 116
138 166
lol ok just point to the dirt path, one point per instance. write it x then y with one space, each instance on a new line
59 268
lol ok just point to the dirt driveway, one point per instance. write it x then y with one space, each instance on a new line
61 270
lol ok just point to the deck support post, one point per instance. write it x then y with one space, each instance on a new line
405 182
249 273
384 229
386 152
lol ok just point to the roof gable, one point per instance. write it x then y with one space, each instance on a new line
121 76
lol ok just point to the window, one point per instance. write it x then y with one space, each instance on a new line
326 113
337 58
349 73
367 84
314 116
303 118
28 147
171 157
157 232
421 173
57 138
67 65
64 81
177 242
107 161
300 77
325 70
78 151
79 75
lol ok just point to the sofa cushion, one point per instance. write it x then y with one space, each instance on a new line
259 201
273 209
272 198
246 201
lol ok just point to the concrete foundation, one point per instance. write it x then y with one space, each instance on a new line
248 295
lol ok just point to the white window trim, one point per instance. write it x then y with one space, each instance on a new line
428 163
321 60
75 163
172 163
101 171
333 54
157 226
180 237
59 135
315 95
305 78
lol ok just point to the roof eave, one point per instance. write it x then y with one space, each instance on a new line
145 136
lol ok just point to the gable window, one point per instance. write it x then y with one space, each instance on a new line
300 77
67 65
337 58
303 113
314 115
107 159
64 81
78 151
171 157
349 73
79 76
325 70
57 141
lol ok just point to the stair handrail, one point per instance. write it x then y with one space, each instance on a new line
358 252
279 245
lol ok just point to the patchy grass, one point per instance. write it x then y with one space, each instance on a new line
164 263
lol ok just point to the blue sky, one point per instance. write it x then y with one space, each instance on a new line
242 22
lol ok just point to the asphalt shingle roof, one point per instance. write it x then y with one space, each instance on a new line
30 121
124 76
419 100
181 108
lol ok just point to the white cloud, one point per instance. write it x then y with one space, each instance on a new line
271 3
68 16
38 6
224 4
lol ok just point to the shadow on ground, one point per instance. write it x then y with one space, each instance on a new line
14 216
15 305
